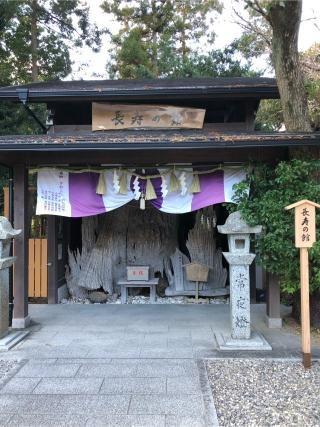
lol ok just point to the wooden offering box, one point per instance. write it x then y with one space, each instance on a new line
138 272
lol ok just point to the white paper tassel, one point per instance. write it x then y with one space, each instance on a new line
183 183
164 186
136 188
116 181
142 203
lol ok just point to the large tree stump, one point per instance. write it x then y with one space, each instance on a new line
126 236
201 245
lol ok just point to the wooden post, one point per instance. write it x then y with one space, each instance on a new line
52 260
273 316
305 236
6 202
20 311
197 292
305 310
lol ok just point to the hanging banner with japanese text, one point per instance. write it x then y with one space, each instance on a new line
74 194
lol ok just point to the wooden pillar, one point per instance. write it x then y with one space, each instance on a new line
52 260
305 307
252 270
273 318
6 204
20 205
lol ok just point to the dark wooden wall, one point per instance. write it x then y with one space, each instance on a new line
143 156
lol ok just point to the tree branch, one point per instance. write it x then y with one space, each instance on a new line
247 25
257 8
58 20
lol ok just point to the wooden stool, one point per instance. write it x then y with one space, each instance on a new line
125 284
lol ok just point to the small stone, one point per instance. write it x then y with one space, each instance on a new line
141 299
261 392
98 297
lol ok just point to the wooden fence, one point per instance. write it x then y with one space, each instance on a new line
38 268
38 259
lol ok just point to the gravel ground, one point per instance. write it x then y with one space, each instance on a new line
141 299
7 367
264 393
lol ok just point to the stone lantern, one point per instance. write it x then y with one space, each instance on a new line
239 259
7 340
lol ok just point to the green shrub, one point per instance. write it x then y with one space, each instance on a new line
262 197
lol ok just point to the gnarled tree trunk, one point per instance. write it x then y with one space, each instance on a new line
284 18
111 242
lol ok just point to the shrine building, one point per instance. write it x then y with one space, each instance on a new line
133 173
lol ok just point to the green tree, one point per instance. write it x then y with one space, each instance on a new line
36 37
269 116
132 60
310 62
216 63
256 38
35 41
162 33
261 198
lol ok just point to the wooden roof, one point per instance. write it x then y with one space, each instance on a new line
156 139
302 202
114 90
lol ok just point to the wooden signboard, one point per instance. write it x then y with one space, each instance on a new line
305 236
130 116
305 224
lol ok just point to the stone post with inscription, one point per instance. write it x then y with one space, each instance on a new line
7 340
239 259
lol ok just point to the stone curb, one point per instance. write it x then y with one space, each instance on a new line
210 415
13 372
278 359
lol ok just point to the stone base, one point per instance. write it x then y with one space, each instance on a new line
20 323
215 292
273 322
12 339
256 342
63 293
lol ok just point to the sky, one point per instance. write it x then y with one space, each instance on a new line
90 65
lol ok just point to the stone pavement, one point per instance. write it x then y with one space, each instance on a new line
94 392
121 365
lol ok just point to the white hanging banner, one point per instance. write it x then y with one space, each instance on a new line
74 194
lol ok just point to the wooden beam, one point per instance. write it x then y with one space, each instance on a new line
6 202
146 157
20 311
273 301
52 259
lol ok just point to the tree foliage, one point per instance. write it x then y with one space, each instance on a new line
36 36
256 38
269 116
262 197
161 39
310 61
35 41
